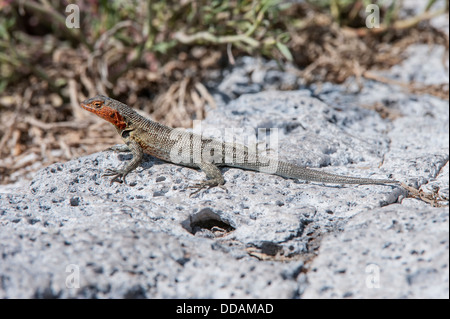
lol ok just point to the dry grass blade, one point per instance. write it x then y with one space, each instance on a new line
432 198
57 125
439 90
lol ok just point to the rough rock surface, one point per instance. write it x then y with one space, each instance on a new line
70 234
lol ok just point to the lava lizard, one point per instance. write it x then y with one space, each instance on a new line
142 135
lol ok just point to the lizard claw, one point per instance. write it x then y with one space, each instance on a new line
205 185
118 175
199 188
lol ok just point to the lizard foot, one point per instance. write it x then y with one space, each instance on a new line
118 175
198 187
206 185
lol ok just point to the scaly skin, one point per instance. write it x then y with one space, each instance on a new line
142 135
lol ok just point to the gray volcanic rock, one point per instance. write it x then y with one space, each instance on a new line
72 234
399 252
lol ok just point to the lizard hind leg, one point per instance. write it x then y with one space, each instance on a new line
214 175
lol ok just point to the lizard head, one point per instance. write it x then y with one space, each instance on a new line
106 108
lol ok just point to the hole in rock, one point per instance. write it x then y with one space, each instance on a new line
208 223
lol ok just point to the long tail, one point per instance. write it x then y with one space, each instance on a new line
293 171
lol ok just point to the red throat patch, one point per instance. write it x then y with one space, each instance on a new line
112 116
109 114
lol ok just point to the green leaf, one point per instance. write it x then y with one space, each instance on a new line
285 51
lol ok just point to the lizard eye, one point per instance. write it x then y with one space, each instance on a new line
97 104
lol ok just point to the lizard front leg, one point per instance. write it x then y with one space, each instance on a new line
120 174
